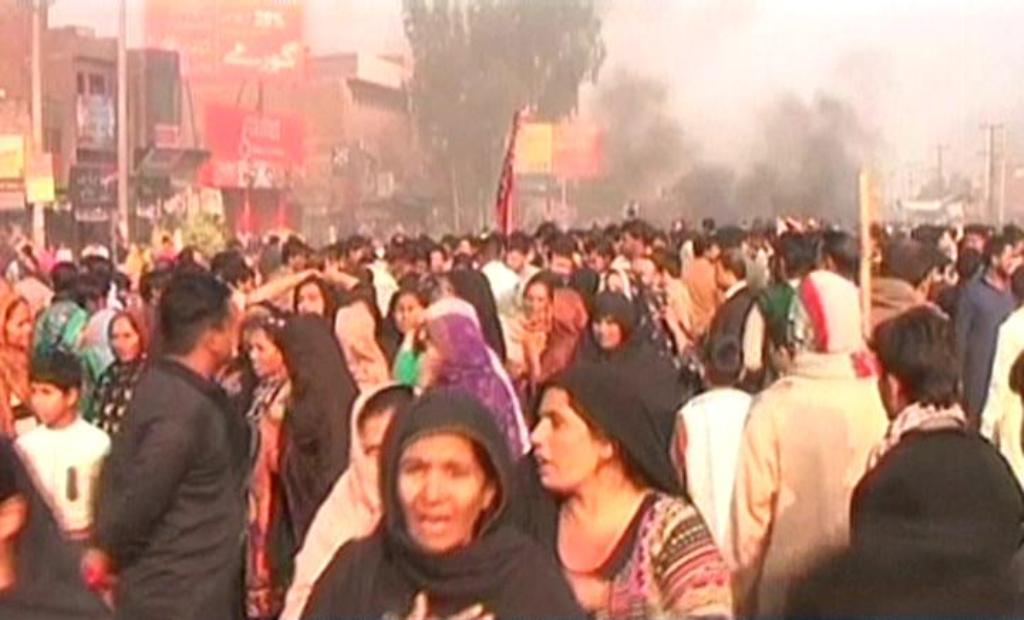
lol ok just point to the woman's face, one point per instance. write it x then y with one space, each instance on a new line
537 302
267 359
408 313
18 330
608 334
567 452
371 436
443 490
125 340
311 300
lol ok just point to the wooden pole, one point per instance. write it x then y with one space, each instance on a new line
866 213
121 220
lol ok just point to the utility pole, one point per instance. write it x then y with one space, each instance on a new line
38 217
1002 179
122 132
990 172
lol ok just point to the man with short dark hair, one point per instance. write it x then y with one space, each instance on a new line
739 317
295 254
503 281
563 250
934 487
982 308
841 254
171 514
903 281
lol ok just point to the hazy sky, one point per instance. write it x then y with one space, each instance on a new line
919 73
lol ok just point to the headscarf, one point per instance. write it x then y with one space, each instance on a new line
661 385
620 309
117 383
316 437
568 324
827 320
356 330
473 287
467 363
614 404
502 569
14 367
351 511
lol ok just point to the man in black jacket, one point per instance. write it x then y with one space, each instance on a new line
171 514
934 487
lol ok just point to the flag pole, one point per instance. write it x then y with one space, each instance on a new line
506 182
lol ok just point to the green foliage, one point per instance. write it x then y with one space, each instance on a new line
478 61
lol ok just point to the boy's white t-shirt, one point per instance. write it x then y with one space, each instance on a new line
66 463
713 424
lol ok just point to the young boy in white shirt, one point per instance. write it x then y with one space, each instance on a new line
709 430
64 453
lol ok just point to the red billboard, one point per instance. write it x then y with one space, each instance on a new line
251 149
229 39
578 150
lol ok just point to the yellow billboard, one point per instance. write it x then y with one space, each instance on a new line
39 186
534 148
12 156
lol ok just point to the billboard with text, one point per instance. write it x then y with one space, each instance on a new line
251 149
229 39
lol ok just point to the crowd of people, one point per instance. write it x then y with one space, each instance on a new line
614 423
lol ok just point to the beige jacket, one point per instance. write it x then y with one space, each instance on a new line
805 446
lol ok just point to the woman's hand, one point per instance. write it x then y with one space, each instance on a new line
98 575
421 611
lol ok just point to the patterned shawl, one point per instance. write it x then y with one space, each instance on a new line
469 365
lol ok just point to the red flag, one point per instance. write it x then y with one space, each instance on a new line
506 184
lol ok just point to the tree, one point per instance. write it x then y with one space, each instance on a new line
478 61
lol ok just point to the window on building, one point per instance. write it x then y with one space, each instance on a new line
97 84
80 79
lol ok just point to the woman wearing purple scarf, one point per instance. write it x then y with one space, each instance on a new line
457 356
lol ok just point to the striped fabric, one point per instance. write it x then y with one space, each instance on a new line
675 570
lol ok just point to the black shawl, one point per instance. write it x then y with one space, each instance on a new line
614 405
660 384
316 438
502 569
472 286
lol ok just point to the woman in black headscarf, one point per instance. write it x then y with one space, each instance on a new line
612 513
472 286
316 425
445 543
617 338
